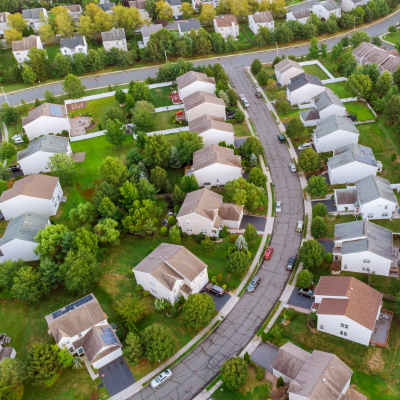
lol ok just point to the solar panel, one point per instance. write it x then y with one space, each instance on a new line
72 306
107 330
55 110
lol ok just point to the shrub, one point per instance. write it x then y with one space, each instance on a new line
329 258
146 293
224 232
319 210
174 312
181 300
392 29
163 231
393 157
200 237
233 238
138 288
246 357
171 220
64 132
162 305
280 382
239 116
264 336
276 332
260 373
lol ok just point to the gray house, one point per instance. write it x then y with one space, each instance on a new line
187 26
147 31
74 44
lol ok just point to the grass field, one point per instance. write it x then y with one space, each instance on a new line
314 69
393 37
241 129
163 120
340 89
52 50
161 96
360 110
331 66
7 59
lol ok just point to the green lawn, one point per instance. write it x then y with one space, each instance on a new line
340 89
7 59
331 66
360 110
393 37
164 120
292 2
161 96
241 129
244 26
52 50
314 69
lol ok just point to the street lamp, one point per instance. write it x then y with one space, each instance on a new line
166 58
277 49
4 95
355 24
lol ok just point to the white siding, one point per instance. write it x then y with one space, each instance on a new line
22 55
196 87
117 44
176 11
66 51
4 25
304 94
334 140
333 109
350 173
226 31
217 174
361 261
378 209
284 78
108 358
214 136
322 12
195 224
291 17
214 110
45 125
254 26
19 249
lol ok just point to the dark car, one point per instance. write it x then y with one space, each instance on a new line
306 292
281 138
210 287
14 168
290 264
253 284
258 95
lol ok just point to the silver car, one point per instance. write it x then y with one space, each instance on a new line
253 284
292 167
278 206
17 139
161 378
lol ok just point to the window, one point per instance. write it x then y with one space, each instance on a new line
204 231
207 183
189 229
321 327
386 207
154 291
79 334
385 214
217 180
366 261
345 266
343 333
71 349
344 326
370 215
187 222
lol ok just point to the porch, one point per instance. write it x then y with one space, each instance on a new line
380 334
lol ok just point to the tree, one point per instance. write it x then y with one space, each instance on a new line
359 37
8 271
304 279
250 233
43 363
120 96
73 87
360 84
239 116
107 232
133 348
189 183
12 35
8 114
158 342
295 127
159 178
140 91
187 10
128 18
347 63
39 63
49 274
7 150
397 306
50 239
323 49
312 254
384 83
283 34
3 185
241 244
391 110
318 227
262 77
164 10
198 310
131 310
63 166
142 116
317 186
4 173
188 143
157 151
313 50
12 374
232 96
28 75
240 191
27 285
142 218
115 132
175 234
251 146
207 14
49 96
283 107
46 33
238 262
112 170
257 177
146 190
82 214
16 22
309 160
256 66
319 210
234 373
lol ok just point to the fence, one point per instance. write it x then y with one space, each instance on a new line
334 80
316 62
86 136
167 131
367 121
348 99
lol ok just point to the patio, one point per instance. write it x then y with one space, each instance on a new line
79 125
380 334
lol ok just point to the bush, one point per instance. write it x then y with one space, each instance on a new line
200 237
239 116
329 258
162 305
138 288
264 336
319 210
392 29
260 373
146 293
233 238
222 234
280 382
64 132
171 220
181 300
276 332
246 357
174 312
163 231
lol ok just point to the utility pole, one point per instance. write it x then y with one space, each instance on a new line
4 95
277 49
166 58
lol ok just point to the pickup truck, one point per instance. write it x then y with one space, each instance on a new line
211 287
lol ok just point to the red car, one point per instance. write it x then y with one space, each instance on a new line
268 253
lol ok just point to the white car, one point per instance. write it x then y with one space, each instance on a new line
304 146
244 101
17 139
278 206
161 378
292 167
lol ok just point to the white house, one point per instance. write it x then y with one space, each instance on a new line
323 105
6 351
351 163
348 5
286 70
347 308
319 375
44 119
364 247
324 9
215 166
192 82
35 17
3 22
20 48
176 7
36 194
333 132
301 15
197 3
140 5
213 130
107 7
18 241
171 271
82 329
148 30
35 157
264 19
114 39
188 25
204 212
74 44
74 11
202 103
302 88
227 25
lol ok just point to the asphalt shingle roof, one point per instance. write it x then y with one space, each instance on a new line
72 42
303 79
114 34
47 144
192 23
33 13
350 153
332 124
374 187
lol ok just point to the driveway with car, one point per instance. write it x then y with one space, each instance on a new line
300 301
116 376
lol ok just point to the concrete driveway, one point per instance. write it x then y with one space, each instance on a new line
258 222
264 354
116 376
330 204
219 301
300 301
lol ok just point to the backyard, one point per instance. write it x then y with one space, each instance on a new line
241 129
340 89
360 110
315 69
161 96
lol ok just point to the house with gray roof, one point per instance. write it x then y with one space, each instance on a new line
213 130
348 5
74 44
114 39
333 132
300 15
261 19
147 31
188 25
303 87
20 48
35 158
324 9
286 70
171 271
107 7
35 17
18 241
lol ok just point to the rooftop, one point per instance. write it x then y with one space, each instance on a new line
332 124
149 29
106 6
303 79
226 20
34 13
372 188
139 4
330 5
215 154
261 17
25 44
72 42
192 23
350 153
47 144
74 8
191 77
114 34
206 122
47 110
346 196
197 98
300 14
326 99
287 64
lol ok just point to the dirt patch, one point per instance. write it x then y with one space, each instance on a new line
79 157
111 282
374 360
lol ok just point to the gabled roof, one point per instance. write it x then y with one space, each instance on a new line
114 34
47 144
215 155
150 29
139 4
47 110
191 77
33 13
72 42
25 44
302 80
351 153
330 5
332 124
326 99
106 6
192 23
197 98
3 17
300 14
206 122
230 212
175 2
372 188
287 64
262 17
310 115
347 196
75 8
362 49
224 21
391 64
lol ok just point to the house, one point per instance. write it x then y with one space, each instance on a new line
74 11
6 352
140 5
287 69
197 3
372 197
227 25
35 157
36 194
348 5
188 25
333 132
114 39
107 7
20 48
263 19
176 7
302 88
347 308
301 15
318 375
213 130
171 271
202 103
18 241
45 119
323 105
3 22
74 44
35 17
82 329
192 82
351 163
326 8
147 31
215 166
204 212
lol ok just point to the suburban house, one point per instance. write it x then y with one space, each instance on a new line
107 7
197 3
35 17
364 247
74 44
213 130
298 15
202 103
139 4
286 70
302 88
192 82
215 166
264 19
171 271
82 329
323 105
347 308
74 11
204 212
44 119
324 9
18 241
176 7
333 132
227 25
319 375
36 193
3 22
20 48
6 351
148 30
35 157
188 25
372 197
114 39
351 163
348 5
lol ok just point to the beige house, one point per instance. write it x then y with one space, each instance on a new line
227 25
114 39
74 11
171 271
20 48
192 82
261 19
203 103
139 5
286 70
213 130
204 212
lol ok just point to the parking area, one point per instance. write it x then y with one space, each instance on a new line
219 301
258 222
300 301
330 204
264 354
328 245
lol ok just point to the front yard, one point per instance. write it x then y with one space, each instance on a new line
340 89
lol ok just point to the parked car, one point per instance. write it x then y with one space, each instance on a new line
268 253
306 292
14 168
258 95
1 217
278 206
161 378
17 139
299 226
290 264
244 101
304 146
281 138
292 167
211 287
253 284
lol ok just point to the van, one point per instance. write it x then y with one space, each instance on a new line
299 227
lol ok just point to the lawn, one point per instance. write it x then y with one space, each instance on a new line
164 120
314 69
244 27
7 59
331 66
340 89
360 110
393 37
161 96
241 129
52 50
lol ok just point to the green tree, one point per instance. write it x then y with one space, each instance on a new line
16 22
318 227
8 271
63 166
131 309
312 254
384 83
187 10
189 183
46 33
49 96
256 66
12 374
304 279
317 186
27 285
309 160
120 96
198 310
313 50
178 195
142 116
133 348
28 75
295 128
7 150
49 272
39 63
238 262
43 364
251 146
262 77
257 177
175 234
3 186
106 230
397 305
159 178
283 107
188 143
239 116
359 37
4 173
112 170
347 63
50 239
128 18
83 214
319 210
360 85
232 96
157 151
12 35
158 342
73 87
146 190
392 108
115 132
240 191
234 373
142 218
207 14
140 91
8 114
250 233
